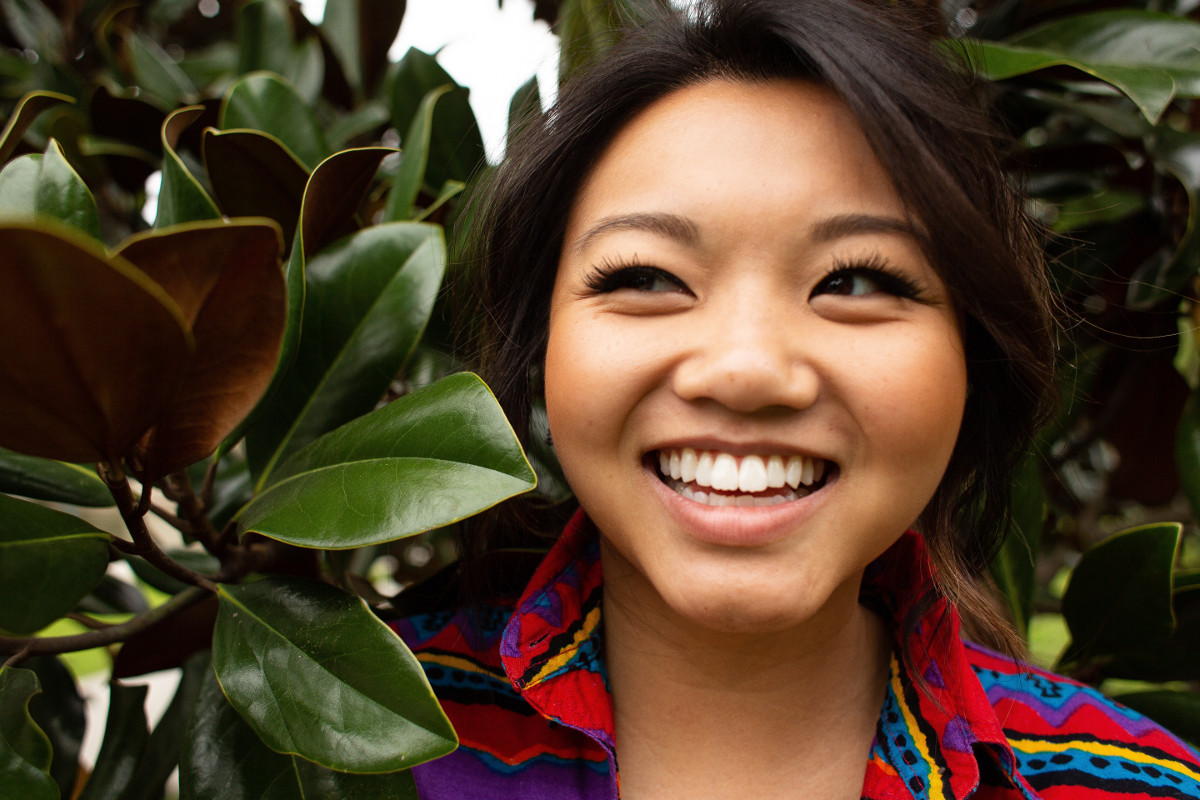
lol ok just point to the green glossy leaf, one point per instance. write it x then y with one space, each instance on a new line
456 147
415 159
48 561
526 104
1104 207
1015 565
34 185
1187 452
1179 154
195 560
1119 597
35 27
61 713
265 102
1179 712
428 459
359 122
180 196
155 71
450 190
317 674
24 749
253 175
265 38
66 393
163 748
370 296
1149 56
361 32
235 301
28 109
114 596
223 759
57 481
331 200
125 738
1175 659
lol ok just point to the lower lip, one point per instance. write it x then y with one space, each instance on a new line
737 526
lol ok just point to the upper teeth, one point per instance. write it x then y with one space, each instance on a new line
730 473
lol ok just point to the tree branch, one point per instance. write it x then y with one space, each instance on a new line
179 488
22 648
143 543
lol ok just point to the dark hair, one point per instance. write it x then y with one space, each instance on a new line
918 109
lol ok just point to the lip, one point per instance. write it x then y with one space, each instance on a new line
736 526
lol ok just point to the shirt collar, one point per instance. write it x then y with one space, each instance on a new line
936 725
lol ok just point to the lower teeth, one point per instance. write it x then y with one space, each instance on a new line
744 500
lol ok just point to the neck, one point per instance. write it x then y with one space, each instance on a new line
699 713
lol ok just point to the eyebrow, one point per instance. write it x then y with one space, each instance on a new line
671 226
844 225
684 231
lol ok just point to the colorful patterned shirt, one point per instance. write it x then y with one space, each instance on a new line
527 691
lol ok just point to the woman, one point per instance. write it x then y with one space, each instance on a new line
762 266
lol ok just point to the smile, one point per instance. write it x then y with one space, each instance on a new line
722 479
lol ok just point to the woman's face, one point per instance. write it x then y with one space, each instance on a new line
754 378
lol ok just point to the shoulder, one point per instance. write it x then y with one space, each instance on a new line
1070 740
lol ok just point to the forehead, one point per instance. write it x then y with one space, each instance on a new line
784 146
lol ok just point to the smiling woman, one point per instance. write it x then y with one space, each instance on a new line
790 327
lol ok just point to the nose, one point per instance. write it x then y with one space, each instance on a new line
748 357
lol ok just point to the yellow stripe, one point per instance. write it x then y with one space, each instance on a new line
1102 749
585 630
936 788
456 662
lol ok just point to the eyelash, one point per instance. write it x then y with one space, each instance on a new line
878 269
613 274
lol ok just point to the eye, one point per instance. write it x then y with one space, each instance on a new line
607 277
867 278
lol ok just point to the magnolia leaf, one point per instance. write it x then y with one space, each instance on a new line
361 32
415 159
1119 596
48 186
30 106
155 72
370 296
265 38
181 198
265 102
456 147
228 281
48 562
253 175
125 738
450 190
62 714
334 192
1177 658
1178 711
1179 154
525 105
1187 452
223 759
56 481
161 755
1151 57
428 459
24 749
94 349
318 675
1015 564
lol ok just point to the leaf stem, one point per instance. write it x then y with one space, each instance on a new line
143 543
193 512
22 648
